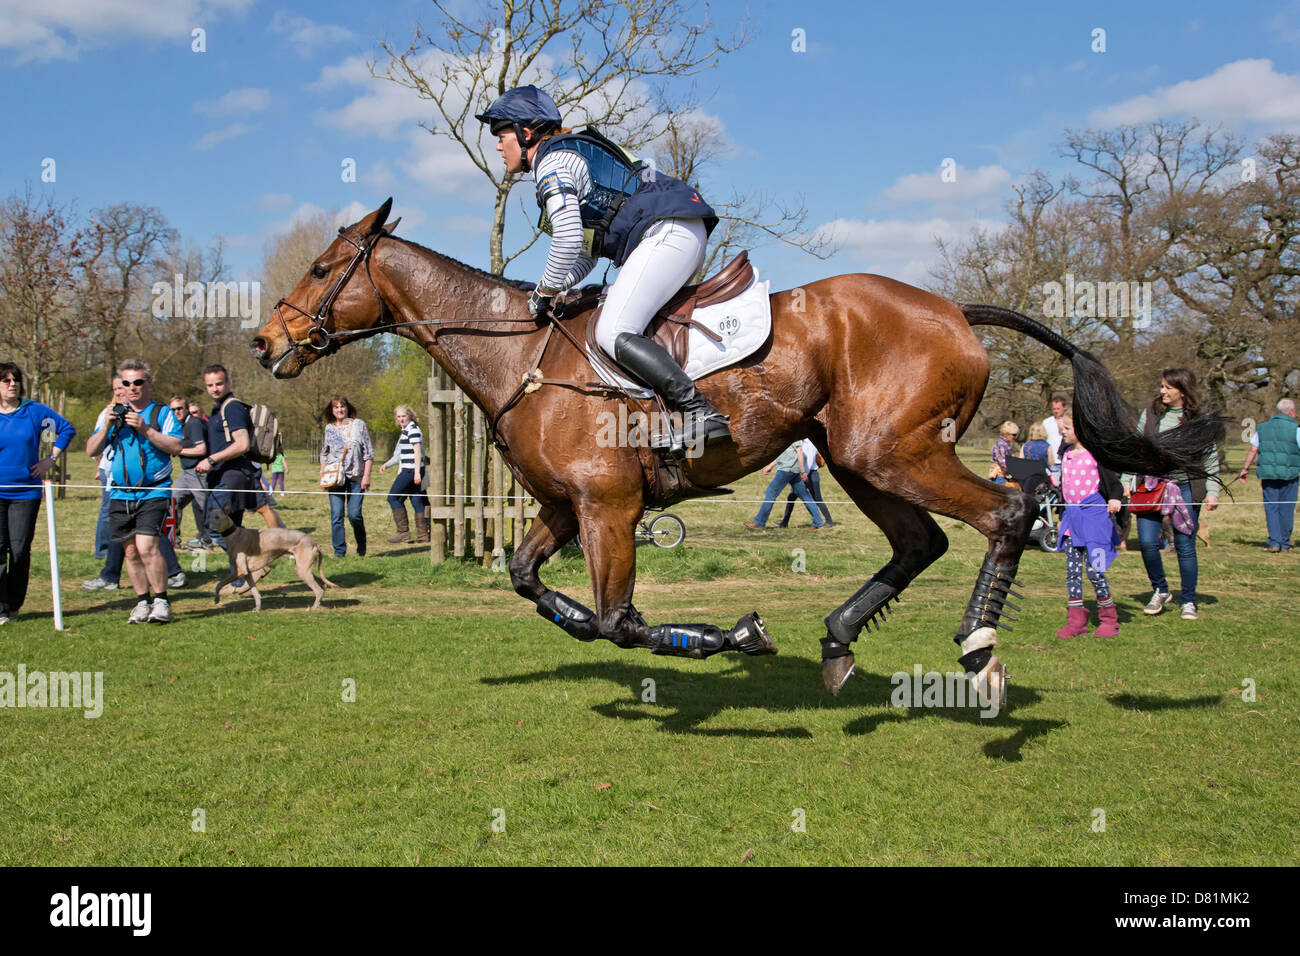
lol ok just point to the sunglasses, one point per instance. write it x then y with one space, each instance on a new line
9 381
133 382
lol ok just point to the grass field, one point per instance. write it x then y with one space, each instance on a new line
481 734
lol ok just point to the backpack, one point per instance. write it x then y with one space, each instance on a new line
265 442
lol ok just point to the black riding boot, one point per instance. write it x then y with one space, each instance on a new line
648 361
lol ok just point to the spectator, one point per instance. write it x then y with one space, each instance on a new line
1277 445
791 469
197 411
813 460
191 486
21 474
410 461
277 473
348 440
1175 399
230 473
1052 425
114 553
1005 445
143 436
1038 448
1088 537
105 471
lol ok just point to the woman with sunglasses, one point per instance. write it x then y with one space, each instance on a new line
21 474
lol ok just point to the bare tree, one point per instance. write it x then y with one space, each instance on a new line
38 323
608 61
122 252
689 147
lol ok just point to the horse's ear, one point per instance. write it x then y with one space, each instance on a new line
372 223
388 229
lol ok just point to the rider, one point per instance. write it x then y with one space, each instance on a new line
598 201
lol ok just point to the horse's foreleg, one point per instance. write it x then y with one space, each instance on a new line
553 527
609 540
917 542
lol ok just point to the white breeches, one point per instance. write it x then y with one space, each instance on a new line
668 255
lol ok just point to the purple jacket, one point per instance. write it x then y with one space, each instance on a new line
1090 527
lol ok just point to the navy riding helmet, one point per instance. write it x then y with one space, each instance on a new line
524 107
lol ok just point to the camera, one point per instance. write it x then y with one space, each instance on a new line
119 412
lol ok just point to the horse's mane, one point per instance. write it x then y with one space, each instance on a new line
499 280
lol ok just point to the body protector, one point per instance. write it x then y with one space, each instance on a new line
626 195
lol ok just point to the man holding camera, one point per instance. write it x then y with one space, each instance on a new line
143 436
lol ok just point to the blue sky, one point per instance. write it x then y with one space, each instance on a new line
238 140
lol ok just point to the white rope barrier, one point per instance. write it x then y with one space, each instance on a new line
727 499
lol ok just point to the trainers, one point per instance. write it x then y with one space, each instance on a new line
4 619
161 612
1189 611
99 584
177 580
141 612
1158 602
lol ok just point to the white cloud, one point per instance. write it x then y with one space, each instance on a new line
1249 90
57 29
902 249
221 135
307 36
931 187
247 100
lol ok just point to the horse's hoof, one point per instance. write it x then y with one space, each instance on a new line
750 636
836 672
991 686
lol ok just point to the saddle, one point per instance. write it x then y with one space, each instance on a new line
672 324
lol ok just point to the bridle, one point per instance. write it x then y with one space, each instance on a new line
319 337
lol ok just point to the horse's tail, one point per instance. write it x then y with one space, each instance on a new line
1102 420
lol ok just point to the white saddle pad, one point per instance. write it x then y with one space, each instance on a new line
744 323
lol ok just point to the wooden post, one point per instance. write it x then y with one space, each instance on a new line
499 502
459 484
476 489
437 449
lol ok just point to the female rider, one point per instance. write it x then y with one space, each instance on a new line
598 202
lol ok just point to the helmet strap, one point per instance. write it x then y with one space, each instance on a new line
523 147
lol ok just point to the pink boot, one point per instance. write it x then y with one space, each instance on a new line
1109 625
1076 622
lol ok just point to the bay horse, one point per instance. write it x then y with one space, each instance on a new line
881 376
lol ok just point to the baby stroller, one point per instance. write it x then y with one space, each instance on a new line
1031 476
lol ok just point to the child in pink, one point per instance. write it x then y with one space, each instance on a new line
1088 537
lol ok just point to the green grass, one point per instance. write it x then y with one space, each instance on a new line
467 702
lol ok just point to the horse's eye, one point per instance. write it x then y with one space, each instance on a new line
319 272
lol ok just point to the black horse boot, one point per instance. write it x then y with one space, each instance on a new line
648 361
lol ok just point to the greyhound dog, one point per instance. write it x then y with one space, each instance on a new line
253 552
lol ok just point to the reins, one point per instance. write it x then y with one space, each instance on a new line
320 339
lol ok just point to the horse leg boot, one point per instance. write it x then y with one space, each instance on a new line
844 624
978 635
699 641
648 361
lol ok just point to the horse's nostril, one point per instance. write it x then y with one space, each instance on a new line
259 346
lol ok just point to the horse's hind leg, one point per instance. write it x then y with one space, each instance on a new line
917 542
926 473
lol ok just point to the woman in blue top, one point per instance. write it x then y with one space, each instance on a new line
21 474
597 202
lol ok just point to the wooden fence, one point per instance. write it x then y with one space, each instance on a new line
59 402
475 501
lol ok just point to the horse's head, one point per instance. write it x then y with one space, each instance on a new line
336 297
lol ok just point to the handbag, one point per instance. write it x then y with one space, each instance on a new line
331 473
1142 501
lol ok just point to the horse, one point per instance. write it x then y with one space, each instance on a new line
883 377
